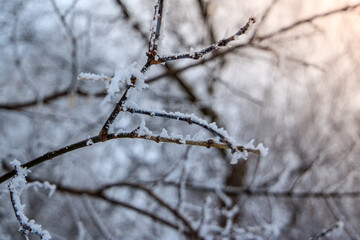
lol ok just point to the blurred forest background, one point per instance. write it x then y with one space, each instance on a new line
291 82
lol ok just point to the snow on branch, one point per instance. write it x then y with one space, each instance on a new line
210 143
155 30
153 59
143 133
154 36
199 54
134 79
105 129
190 119
93 77
16 186
211 127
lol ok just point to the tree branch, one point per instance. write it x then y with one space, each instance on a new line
222 43
307 20
96 139
154 37
190 119
48 99
263 192
105 129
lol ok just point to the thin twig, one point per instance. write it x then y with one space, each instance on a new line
307 20
160 201
262 192
190 119
18 61
126 15
199 54
96 219
154 37
327 231
203 7
263 18
105 129
113 201
71 35
196 64
48 99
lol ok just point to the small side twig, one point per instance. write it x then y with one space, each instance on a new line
199 54
105 129
328 230
190 119
74 50
152 54
307 20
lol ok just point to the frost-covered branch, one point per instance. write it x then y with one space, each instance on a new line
154 36
105 129
93 77
152 52
190 119
152 59
16 186
97 139
170 71
237 151
199 54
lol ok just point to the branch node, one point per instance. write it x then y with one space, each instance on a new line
133 134
133 80
241 148
189 121
210 142
103 135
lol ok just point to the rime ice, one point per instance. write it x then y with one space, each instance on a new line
16 186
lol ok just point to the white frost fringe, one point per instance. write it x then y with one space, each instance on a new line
16 186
